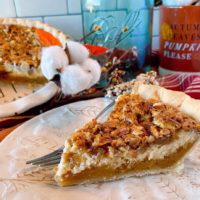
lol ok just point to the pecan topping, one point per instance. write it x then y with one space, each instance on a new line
19 46
134 123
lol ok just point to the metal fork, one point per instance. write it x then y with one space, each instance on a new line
54 157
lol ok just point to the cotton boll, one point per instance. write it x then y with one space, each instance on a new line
53 59
93 67
74 79
78 52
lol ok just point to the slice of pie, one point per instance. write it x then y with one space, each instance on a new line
21 41
149 132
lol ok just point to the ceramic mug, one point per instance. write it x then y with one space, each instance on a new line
180 39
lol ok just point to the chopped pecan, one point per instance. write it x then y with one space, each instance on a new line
134 123
13 50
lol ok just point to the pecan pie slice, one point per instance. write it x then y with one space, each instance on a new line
149 132
21 42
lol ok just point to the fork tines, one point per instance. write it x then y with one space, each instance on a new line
49 159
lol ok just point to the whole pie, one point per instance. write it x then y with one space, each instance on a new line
149 131
21 41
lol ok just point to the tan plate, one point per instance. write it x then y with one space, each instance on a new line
18 98
11 90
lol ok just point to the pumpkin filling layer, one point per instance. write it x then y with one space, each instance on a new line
138 169
139 137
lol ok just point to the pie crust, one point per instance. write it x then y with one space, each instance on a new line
149 132
21 59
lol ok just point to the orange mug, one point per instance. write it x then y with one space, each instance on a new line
180 39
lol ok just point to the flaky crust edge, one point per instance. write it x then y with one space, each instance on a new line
180 100
63 38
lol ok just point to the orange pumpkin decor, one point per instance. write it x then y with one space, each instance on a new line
47 39
96 50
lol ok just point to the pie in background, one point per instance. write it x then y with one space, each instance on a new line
150 131
21 41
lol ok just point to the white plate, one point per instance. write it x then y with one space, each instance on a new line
47 132
16 98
